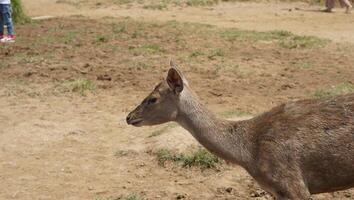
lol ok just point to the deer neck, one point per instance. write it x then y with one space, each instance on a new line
223 138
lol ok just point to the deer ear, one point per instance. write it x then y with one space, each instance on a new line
175 80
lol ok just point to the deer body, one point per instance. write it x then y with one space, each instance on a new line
292 151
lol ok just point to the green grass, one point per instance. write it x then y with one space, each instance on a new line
146 49
4 65
201 2
215 53
17 87
80 86
131 196
68 38
296 41
340 89
196 54
304 65
245 35
102 39
162 130
18 14
235 113
284 39
119 28
162 5
138 65
121 2
201 158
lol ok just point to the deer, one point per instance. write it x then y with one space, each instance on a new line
294 150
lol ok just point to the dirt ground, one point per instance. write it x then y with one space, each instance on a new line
65 139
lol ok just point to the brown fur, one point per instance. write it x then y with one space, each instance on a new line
293 150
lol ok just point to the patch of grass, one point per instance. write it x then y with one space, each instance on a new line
19 15
108 198
20 87
121 2
304 65
138 65
101 39
296 41
162 5
340 89
201 158
146 49
235 113
4 65
119 28
216 53
285 39
162 130
196 53
201 2
245 35
133 196
78 86
69 37
124 153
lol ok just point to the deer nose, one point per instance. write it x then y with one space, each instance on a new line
129 117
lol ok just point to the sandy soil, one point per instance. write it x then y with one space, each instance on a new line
57 144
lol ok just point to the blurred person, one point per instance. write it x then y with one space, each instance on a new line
6 19
344 3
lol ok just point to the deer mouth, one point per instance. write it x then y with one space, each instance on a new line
135 122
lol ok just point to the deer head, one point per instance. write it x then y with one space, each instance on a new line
161 105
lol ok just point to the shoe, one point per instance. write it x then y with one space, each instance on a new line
8 39
11 38
2 38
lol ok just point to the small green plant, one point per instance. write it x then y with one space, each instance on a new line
304 65
138 65
201 2
146 49
235 113
196 53
244 35
119 28
161 130
121 2
69 37
79 86
102 39
133 196
216 53
201 158
156 6
340 89
296 41
285 39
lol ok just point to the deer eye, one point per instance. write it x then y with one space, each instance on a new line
152 100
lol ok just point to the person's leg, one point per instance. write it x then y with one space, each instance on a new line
329 5
347 5
8 20
1 22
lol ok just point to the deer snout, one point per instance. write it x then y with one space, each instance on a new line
133 119
129 117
